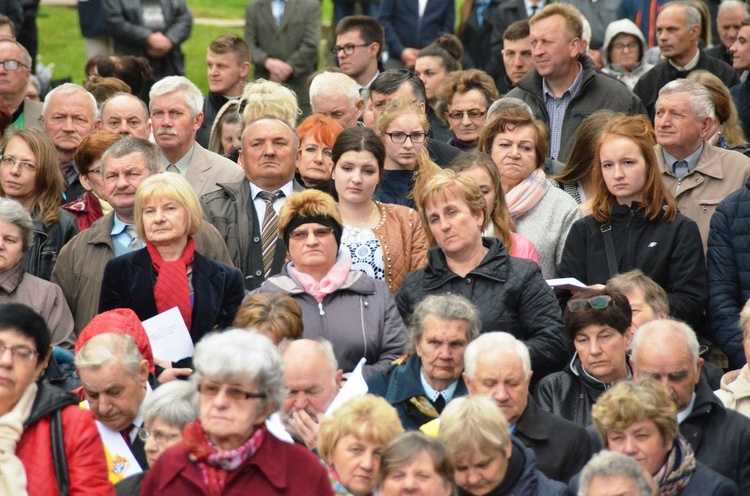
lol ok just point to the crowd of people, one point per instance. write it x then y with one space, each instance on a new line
506 260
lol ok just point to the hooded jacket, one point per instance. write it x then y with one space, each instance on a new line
624 26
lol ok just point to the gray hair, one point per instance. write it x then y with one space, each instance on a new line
272 117
321 346
238 354
13 212
109 348
132 144
692 16
507 102
607 464
664 326
445 307
496 341
727 5
70 89
193 96
24 52
140 102
334 83
586 32
701 101
173 402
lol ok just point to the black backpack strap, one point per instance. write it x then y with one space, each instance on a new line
58 454
609 246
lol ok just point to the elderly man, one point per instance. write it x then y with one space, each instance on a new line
610 473
246 212
678 29
565 88
114 376
312 378
420 385
697 174
176 115
648 300
336 95
14 77
498 365
728 21
667 351
68 116
359 43
126 115
80 264
228 64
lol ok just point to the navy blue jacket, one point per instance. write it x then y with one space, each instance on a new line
128 282
405 29
728 259
741 96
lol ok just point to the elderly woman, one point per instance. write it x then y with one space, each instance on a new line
354 311
735 385
168 272
30 174
487 459
352 440
92 205
316 134
463 100
165 412
275 315
384 241
509 292
228 451
518 144
48 441
416 464
263 97
622 52
598 322
639 419
16 286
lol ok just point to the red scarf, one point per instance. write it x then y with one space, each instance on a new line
216 465
171 288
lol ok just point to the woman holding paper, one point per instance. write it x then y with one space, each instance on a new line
637 214
168 272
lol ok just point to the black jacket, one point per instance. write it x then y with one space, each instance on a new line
511 296
670 253
741 97
720 437
570 394
648 86
40 259
561 447
211 106
441 153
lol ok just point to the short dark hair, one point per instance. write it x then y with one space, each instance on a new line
25 321
359 139
518 30
231 43
369 29
388 82
617 314
6 21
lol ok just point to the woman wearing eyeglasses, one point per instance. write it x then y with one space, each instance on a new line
384 241
463 100
30 174
228 450
636 215
403 128
166 411
598 322
349 308
622 52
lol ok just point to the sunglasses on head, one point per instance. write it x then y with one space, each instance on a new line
597 303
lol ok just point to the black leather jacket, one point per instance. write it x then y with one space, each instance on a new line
40 259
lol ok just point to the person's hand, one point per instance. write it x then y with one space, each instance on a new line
170 373
279 70
158 45
409 57
307 427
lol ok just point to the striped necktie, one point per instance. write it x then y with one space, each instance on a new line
270 230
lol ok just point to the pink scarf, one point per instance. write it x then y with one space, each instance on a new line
331 283
526 194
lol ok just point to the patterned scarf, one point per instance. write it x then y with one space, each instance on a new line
677 470
172 288
215 465
526 194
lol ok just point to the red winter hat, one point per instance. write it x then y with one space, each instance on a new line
122 320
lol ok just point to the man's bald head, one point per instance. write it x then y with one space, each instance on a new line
311 374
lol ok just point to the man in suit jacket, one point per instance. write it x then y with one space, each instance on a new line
176 115
498 365
283 39
239 210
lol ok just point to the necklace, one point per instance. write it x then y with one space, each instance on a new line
368 219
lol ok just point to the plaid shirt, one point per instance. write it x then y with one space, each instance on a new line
556 108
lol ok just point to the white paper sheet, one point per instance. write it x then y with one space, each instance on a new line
566 283
169 336
354 386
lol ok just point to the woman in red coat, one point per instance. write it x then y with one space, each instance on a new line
31 410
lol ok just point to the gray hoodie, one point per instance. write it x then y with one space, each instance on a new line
628 77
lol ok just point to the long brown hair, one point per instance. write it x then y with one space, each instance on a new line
656 201
583 153
48 183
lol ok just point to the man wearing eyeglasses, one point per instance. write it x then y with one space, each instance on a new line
15 63
359 43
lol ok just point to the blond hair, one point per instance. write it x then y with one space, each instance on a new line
172 187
